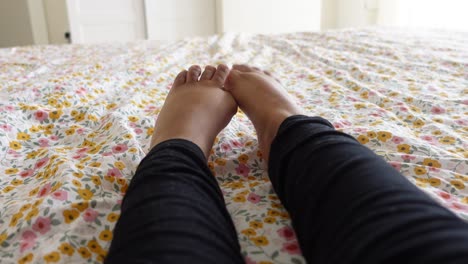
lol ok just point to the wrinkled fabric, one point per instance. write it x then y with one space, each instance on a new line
76 120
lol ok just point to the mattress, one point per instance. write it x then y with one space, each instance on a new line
76 120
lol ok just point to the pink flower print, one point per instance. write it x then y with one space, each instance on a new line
60 195
40 163
119 148
444 195
226 147
243 170
408 157
114 172
9 108
396 165
90 215
403 109
82 150
43 142
286 233
26 244
80 131
429 139
462 122
253 198
105 154
236 143
337 125
5 127
138 131
44 190
42 225
397 140
249 261
40 115
132 125
291 248
28 239
27 173
437 110
54 137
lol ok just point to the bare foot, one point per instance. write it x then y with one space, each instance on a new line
196 110
263 99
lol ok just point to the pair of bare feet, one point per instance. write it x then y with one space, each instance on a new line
200 105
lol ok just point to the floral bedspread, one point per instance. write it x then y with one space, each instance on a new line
76 120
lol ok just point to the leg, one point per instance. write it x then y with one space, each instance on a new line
359 209
174 211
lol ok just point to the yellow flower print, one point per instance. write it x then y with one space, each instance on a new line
132 150
23 136
371 134
37 202
105 235
363 139
107 126
458 184
66 249
15 145
276 205
243 158
25 207
11 171
77 174
249 232
359 106
70 215
34 129
92 118
259 154
284 215
109 178
95 164
461 177
463 200
76 183
150 131
420 170
85 194
133 118
26 259
260 241
220 161
273 212
248 143
70 131
438 120
384 136
34 211
79 117
112 217
418 123
434 182
404 148
52 257
56 114
79 166
84 252
437 133
431 163
16 217
273 197
81 206
239 199
3 237
256 224
128 136
447 140
94 150
96 180
269 220
101 256
94 246
121 181
119 165
16 182
8 188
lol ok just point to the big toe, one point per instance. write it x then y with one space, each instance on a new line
221 74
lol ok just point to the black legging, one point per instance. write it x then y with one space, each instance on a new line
347 206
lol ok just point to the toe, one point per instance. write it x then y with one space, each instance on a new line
193 73
180 78
221 73
208 73
242 68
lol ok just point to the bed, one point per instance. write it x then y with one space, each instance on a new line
76 120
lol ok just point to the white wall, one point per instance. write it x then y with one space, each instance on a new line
15 25
57 20
269 16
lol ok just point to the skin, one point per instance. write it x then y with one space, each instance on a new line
200 105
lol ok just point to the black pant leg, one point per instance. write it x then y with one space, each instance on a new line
349 206
174 212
